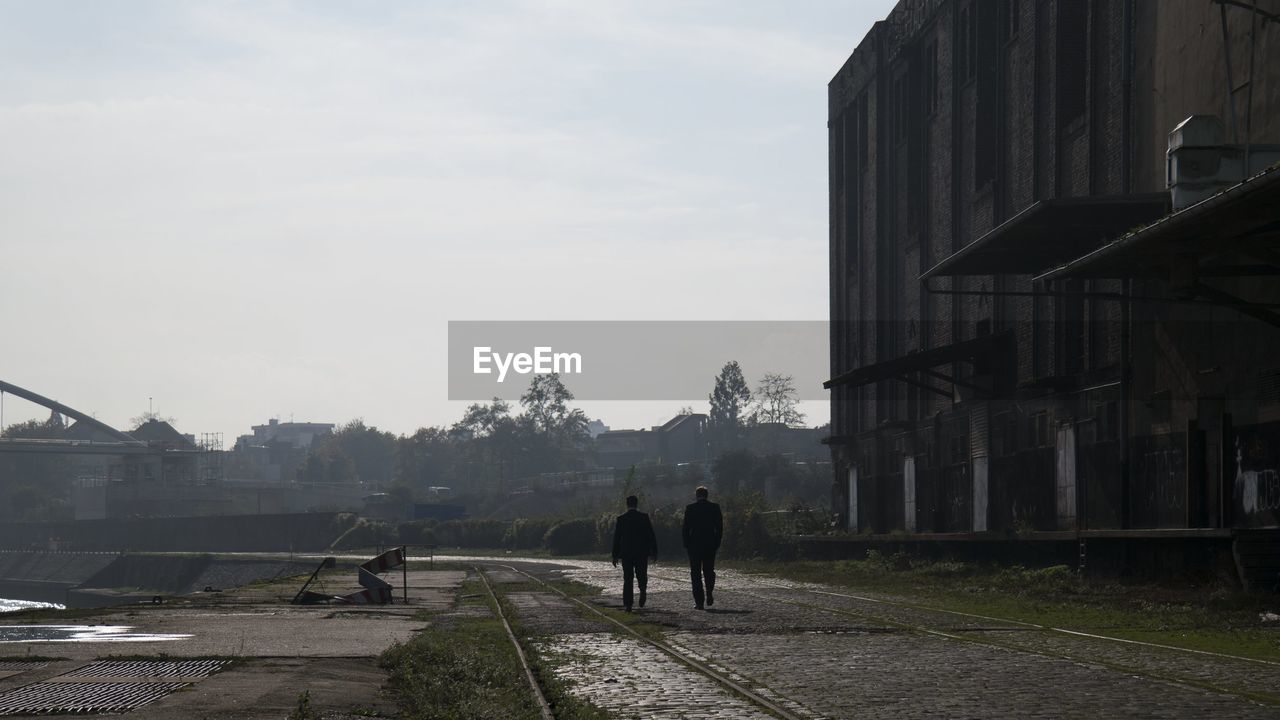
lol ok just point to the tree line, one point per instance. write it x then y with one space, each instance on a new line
492 445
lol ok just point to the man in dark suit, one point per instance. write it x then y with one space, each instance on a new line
703 527
634 543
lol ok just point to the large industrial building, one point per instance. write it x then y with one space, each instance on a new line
1033 334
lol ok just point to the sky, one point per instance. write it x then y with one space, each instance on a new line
242 210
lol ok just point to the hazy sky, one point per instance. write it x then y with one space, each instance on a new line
257 209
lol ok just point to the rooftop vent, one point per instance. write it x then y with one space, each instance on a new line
1200 163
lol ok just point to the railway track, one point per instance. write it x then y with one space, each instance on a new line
770 705
822 601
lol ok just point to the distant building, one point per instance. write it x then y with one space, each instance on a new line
681 439
161 435
273 452
299 435
595 427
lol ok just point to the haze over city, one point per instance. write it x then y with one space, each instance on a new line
246 210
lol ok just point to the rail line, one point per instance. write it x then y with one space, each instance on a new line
681 657
544 707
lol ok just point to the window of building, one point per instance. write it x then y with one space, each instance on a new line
1038 429
1108 421
900 109
967 55
1004 434
863 130
1009 19
931 78
1072 60
1269 387
1161 406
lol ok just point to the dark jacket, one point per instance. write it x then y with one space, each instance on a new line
633 536
703 526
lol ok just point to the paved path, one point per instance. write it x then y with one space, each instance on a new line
827 652
330 652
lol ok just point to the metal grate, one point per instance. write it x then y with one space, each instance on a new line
47 698
149 669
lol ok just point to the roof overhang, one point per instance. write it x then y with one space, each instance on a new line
1050 232
1241 221
988 354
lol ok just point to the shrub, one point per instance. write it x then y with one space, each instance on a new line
527 533
745 533
571 537
471 533
417 532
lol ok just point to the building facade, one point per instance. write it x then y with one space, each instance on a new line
1026 335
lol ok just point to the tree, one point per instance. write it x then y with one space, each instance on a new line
555 435
355 453
427 458
328 464
546 402
729 400
775 401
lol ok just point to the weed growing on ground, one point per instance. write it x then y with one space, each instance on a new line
1211 619
302 711
464 670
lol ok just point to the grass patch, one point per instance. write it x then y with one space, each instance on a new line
458 671
1209 619
465 668
558 692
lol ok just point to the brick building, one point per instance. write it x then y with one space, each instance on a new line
1026 336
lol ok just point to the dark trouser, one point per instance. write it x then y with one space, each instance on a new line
702 564
637 569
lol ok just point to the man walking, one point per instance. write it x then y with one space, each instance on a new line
702 530
634 543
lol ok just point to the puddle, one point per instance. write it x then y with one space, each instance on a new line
7 605
79 633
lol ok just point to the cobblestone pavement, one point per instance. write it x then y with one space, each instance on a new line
835 653
631 679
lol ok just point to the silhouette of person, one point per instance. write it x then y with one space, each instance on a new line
702 529
634 543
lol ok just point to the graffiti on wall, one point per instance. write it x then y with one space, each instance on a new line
1257 480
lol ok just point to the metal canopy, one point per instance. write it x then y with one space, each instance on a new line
983 353
1244 219
1235 233
1051 232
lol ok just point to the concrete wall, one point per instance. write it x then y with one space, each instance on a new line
232 533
